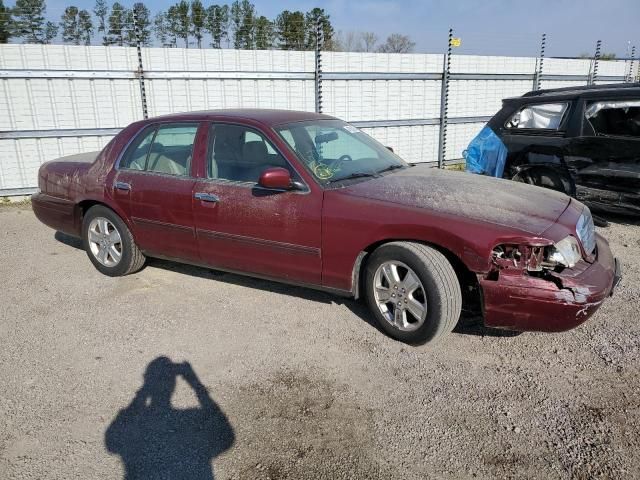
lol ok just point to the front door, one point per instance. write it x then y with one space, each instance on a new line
606 157
155 174
243 227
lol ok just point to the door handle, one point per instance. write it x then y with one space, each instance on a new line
123 186
206 197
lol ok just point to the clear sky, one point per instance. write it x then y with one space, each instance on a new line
489 27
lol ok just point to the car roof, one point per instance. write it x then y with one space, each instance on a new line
269 117
567 93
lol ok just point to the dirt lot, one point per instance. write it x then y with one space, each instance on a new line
290 383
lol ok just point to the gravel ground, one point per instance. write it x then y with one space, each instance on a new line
190 371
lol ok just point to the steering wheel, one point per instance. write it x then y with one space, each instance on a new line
344 158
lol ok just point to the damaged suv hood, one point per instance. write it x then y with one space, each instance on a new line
503 202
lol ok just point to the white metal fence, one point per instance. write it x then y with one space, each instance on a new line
59 100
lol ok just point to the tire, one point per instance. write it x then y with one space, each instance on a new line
546 178
439 292
131 258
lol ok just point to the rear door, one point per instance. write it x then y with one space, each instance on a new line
243 227
536 134
156 175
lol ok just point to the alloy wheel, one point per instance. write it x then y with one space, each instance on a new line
105 242
400 296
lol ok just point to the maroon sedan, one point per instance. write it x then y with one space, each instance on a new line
310 200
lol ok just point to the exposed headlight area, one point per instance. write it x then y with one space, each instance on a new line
535 259
565 253
586 231
555 257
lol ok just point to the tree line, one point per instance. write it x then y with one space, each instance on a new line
187 23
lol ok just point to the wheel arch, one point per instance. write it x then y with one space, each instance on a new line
465 276
83 206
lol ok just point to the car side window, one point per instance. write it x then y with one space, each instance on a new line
135 158
614 118
171 150
547 116
241 154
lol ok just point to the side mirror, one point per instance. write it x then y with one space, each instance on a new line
277 178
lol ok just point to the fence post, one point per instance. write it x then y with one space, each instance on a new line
444 102
537 79
596 58
143 92
632 64
318 67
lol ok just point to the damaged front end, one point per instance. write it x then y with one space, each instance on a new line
541 285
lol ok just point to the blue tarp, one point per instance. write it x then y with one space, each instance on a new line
486 154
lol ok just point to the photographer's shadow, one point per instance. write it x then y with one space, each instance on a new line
156 440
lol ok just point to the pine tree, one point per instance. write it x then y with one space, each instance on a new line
180 21
290 28
50 32
217 24
76 26
142 16
117 21
265 33
243 18
69 24
163 31
85 27
29 22
198 20
5 23
101 11
311 26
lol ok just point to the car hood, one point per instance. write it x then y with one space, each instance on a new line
511 204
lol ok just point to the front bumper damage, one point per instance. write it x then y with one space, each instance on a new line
560 301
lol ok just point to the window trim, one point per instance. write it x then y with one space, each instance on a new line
156 126
239 183
126 148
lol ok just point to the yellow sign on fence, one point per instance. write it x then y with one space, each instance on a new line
456 41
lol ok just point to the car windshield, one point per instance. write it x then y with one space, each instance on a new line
335 151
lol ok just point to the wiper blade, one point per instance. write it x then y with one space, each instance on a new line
391 167
354 175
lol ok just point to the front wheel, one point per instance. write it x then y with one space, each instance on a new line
109 243
413 292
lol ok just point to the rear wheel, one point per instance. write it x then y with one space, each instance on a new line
413 292
109 243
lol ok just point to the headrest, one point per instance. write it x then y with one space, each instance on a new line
254 152
227 139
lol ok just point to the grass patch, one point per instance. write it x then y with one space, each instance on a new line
455 166
15 201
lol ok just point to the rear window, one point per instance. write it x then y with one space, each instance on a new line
547 116
162 149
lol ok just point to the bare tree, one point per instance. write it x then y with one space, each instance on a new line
397 43
348 42
369 40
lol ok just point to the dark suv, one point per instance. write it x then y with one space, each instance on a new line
584 141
